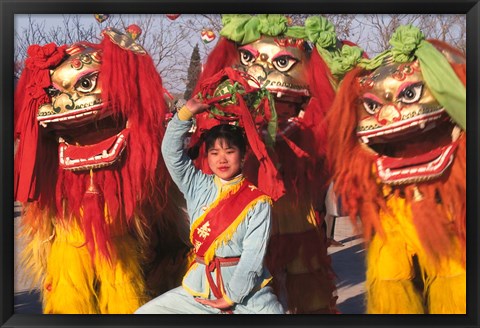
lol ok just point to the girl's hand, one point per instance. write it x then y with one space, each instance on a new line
196 106
221 303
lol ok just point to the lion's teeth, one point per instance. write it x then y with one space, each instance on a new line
456 133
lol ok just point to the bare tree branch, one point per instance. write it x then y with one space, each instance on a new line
170 42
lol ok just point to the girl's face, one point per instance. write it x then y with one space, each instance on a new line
224 160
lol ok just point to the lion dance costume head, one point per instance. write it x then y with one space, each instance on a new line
100 211
273 79
397 149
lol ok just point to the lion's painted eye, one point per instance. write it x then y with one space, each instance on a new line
87 83
284 63
371 106
52 91
246 57
410 93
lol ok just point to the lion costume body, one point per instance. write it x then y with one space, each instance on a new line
271 68
397 145
103 224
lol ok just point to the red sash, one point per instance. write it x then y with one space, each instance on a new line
221 219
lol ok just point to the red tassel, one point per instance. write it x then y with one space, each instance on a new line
223 55
269 179
93 221
297 150
265 104
29 96
24 178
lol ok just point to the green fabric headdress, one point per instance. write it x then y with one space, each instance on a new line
318 30
408 43
245 29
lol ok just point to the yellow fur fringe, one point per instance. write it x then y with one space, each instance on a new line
122 289
390 271
393 297
69 284
447 295
36 233
389 278
55 260
76 285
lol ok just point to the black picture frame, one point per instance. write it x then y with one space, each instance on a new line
9 8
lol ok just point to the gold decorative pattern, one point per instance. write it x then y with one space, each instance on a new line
124 41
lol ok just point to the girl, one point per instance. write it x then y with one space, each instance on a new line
229 226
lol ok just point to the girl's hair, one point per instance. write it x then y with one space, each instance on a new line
233 135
